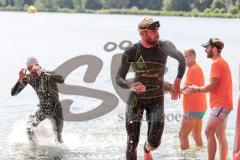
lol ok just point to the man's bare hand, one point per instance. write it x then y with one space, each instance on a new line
22 74
137 87
175 92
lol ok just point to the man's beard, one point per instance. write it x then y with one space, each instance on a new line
151 42
210 54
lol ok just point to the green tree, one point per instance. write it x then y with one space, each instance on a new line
19 4
9 2
148 4
228 3
65 4
233 10
29 2
181 5
93 4
201 5
138 3
108 4
218 4
167 5
153 4
79 5
237 3
2 3
47 4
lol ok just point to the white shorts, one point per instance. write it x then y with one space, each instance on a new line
220 112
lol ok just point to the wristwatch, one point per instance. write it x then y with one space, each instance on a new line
198 90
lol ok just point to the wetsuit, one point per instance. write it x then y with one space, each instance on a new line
49 105
149 67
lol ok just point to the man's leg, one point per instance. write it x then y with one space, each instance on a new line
57 123
186 127
34 121
221 133
133 123
197 131
155 118
221 136
210 131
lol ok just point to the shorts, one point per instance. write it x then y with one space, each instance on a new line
220 112
193 114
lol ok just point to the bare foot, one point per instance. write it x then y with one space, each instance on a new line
147 155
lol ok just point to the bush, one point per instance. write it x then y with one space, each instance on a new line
222 11
217 10
233 10
218 4
195 12
134 8
207 10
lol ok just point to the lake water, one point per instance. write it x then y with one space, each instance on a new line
55 38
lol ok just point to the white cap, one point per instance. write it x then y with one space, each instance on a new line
32 60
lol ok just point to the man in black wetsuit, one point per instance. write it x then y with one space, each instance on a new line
45 85
148 59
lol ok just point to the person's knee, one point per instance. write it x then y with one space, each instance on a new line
180 134
183 141
221 138
209 132
133 143
154 144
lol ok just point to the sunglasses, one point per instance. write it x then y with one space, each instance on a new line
152 26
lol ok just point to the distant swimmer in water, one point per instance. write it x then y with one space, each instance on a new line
45 85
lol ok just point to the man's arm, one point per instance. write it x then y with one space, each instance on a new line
174 53
167 86
57 78
195 89
122 72
21 83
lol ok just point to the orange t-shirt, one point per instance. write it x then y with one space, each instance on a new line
195 102
221 96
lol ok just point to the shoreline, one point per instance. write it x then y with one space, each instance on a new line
135 12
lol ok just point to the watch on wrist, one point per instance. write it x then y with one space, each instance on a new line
198 90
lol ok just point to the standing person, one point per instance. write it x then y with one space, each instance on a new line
148 59
220 88
45 85
194 105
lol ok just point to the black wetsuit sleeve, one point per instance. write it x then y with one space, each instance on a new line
127 58
19 86
176 54
57 78
122 72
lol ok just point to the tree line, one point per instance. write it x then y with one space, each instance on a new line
231 6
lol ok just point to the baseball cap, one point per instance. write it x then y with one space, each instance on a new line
214 42
148 23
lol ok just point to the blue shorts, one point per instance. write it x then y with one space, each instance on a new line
193 114
220 112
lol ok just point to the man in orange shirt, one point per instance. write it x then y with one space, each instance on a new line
220 88
194 105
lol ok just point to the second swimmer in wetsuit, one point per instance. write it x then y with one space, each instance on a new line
148 59
45 85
